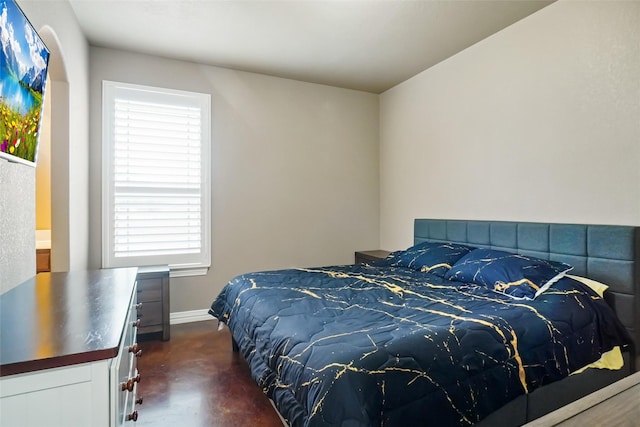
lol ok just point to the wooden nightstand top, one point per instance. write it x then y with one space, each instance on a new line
370 256
378 253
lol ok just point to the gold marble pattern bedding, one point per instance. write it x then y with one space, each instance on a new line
366 345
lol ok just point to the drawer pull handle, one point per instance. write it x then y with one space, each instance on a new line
133 416
134 348
129 384
136 324
139 401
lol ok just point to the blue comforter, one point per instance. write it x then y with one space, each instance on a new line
363 345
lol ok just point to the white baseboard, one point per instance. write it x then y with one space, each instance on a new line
189 316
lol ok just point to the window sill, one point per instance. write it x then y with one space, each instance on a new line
186 272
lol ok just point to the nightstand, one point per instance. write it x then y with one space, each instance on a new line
363 257
153 300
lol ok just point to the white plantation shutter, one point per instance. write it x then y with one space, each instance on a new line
156 198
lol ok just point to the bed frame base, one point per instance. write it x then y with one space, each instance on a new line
550 397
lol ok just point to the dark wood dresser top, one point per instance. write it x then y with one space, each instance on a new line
61 319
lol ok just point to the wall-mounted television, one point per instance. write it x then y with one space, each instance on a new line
24 61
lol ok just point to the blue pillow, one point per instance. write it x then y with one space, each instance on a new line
429 257
519 276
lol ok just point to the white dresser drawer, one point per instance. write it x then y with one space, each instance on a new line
125 371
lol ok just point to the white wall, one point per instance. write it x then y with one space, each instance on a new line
17 224
294 168
70 97
17 242
539 122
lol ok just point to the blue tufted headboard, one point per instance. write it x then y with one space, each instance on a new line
607 253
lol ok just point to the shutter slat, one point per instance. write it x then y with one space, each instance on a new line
157 179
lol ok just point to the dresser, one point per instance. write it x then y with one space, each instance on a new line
68 350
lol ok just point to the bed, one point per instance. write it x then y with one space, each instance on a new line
421 338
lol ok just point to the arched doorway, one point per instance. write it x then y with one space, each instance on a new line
58 92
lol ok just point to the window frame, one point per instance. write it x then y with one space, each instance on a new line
179 264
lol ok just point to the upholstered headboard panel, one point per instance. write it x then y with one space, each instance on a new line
607 253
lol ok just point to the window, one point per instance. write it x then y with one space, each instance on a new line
156 178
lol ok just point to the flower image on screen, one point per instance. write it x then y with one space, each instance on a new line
23 71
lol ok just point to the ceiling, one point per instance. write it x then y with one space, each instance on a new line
369 45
